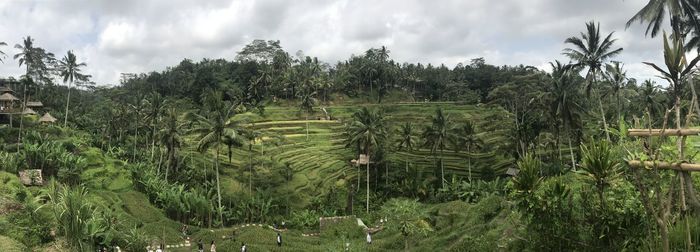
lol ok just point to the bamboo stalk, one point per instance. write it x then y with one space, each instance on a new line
665 165
661 132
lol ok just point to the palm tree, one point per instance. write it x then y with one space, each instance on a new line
212 128
599 164
27 56
231 141
156 104
563 104
654 13
406 140
617 77
1 52
367 131
649 98
466 139
70 71
591 52
437 136
170 138
307 100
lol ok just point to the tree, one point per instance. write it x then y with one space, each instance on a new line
649 98
678 69
465 138
2 54
406 140
170 138
437 137
70 71
28 56
563 103
409 217
211 129
654 13
591 52
307 100
617 78
367 131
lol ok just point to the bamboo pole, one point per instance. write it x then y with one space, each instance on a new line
665 165
662 132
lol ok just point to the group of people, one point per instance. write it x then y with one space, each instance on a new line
200 246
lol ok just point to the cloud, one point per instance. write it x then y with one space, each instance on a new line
141 36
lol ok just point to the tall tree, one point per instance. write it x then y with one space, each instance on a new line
617 78
307 100
655 11
170 138
211 129
28 56
70 71
437 136
563 103
367 131
465 138
591 51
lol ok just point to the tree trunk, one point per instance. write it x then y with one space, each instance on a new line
218 186
571 152
65 121
602 115
442 170
368 182
469 163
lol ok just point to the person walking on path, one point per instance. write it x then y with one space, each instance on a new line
279 239
243 247
200 246
369 239
213 246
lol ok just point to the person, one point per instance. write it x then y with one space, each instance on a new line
200 246
213 246
243 248
369 238
279 239
160 248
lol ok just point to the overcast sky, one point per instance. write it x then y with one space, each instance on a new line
136 36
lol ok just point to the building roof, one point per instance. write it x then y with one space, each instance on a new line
8 97
512 172
47 118
5 89
28 111
34 104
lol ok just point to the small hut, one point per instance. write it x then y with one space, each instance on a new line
34 104
29 111
7 101
47 118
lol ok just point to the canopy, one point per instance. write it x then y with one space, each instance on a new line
34 104
5 90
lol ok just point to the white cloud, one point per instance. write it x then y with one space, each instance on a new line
141 36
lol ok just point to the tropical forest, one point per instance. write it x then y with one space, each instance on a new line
269 149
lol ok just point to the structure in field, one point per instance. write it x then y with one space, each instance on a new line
47 118
11 105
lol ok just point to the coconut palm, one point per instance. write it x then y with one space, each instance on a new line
211 129
437 137
655 11
170 138
649 97
307 100
2 54
617 78
367 131
70 71
155 104
590 51
28 56
465 138
563 102
406 140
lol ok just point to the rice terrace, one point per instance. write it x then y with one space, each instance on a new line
262 125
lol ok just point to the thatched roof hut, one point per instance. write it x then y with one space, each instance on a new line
5 90
47 118
8 97
28 111
34 104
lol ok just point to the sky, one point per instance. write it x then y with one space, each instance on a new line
138 36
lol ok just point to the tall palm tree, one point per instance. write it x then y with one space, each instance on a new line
563 103
406 140
156 104
465 138
70 71
649 97
655 11
437 137
307 100
28 56
211 129
590 51
170 138
2 54
617 78
367 131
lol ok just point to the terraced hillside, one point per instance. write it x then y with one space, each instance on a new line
322 161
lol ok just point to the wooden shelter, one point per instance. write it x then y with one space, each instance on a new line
47 118
7 102
28 111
